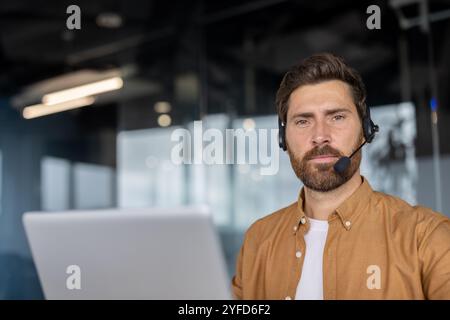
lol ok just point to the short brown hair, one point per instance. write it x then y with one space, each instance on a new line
315 69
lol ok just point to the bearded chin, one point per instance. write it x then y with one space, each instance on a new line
321 176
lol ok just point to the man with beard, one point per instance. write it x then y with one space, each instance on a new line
341 239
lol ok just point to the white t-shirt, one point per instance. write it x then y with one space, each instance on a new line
310 286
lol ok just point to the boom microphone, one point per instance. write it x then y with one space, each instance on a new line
342 164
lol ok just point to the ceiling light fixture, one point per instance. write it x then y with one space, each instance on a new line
39 110
83 91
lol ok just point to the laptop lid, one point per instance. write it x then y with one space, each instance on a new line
128 254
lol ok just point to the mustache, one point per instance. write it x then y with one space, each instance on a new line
326 150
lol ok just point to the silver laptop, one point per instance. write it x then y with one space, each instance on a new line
128 254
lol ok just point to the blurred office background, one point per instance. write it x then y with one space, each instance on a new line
176 62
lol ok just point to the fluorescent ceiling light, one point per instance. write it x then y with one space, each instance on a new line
40 110
83 91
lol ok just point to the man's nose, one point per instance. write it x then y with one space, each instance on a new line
321 134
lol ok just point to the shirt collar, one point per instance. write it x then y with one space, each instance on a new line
347 210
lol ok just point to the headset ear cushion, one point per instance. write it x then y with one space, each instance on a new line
281 135
369 129
282 138
366 128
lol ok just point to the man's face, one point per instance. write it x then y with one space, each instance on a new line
322 125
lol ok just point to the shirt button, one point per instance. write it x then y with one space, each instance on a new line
348 223
298 254
295 228
288 298
303 220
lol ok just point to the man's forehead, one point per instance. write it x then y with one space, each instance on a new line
321 98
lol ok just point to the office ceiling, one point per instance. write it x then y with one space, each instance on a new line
165 39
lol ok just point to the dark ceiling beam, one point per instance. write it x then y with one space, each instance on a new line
239 10
118 46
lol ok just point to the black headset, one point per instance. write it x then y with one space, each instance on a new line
369 130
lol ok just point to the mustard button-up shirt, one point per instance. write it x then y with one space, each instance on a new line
378 247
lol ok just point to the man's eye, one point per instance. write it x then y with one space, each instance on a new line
338 117
301 122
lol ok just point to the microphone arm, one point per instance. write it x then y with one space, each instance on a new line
365 141
342 164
